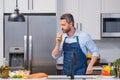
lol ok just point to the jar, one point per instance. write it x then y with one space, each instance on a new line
118 72
5 69
0 72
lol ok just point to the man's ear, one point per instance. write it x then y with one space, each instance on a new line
71 24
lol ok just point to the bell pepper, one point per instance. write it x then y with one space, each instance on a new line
105 73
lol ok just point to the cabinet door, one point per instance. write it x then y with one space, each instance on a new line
43 6
110 6
10 6
90 15
68 6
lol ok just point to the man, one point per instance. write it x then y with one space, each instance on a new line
74 41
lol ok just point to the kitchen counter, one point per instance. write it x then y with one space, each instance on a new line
82 77
64 77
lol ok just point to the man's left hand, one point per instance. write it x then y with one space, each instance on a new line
89 70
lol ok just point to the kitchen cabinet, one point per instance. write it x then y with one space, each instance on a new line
90 14
110 6
67 6
86 14
10 6
31 6
43 6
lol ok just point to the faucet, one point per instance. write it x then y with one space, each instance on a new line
74 62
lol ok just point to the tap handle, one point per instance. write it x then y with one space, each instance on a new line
74 59
72 65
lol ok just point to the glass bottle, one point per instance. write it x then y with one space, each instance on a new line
5 69
0 71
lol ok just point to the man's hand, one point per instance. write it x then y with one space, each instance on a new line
89 70
91 64
57 46
59 38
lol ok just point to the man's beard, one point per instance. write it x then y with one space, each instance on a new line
66 31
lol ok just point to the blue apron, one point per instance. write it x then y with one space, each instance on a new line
80 67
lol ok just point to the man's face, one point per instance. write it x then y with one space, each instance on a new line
66 27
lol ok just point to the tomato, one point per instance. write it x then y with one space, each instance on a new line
105 73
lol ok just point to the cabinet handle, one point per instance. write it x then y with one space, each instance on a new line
32 4
76 25
16 3
28 4
81 26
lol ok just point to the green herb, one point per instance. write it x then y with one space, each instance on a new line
117 63
112 72
14 76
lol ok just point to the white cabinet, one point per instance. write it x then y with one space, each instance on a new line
110 6
86 14
31 6
90 14
67 6
44 6
10 6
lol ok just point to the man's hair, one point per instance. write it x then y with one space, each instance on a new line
68 17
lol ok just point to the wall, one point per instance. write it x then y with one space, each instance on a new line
1 30
109 49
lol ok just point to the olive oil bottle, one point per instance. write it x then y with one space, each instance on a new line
5 69
0 71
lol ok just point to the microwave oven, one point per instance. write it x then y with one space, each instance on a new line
110 25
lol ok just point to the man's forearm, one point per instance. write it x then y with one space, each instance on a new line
92 61
56 50
90 65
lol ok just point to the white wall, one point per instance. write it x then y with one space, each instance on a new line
1 30
109 49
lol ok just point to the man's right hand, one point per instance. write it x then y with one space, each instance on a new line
57 46
59 38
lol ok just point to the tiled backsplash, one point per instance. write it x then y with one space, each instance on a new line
109 49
